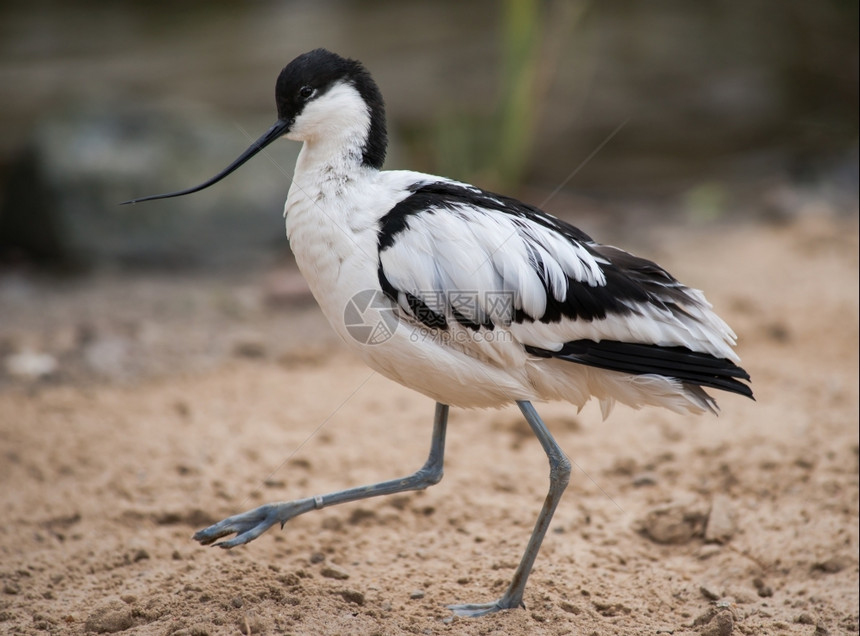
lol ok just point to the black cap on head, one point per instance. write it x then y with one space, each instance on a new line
311 74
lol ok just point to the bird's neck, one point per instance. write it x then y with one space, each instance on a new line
329 159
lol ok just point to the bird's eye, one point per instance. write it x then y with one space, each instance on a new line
306 91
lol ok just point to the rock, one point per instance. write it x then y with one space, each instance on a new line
334 573
30 365
109 619
833 564
764 590
721 525
645 479
674 523
805 619
249 346
710 593
417 594
352 596
722 624
707 551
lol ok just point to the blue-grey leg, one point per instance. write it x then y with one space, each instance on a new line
559 476
250 525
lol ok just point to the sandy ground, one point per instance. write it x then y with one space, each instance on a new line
161 405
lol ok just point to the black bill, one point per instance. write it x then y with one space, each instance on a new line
275 132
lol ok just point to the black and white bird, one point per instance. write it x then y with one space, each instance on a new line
495 300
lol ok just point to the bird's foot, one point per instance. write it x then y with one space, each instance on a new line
472 610
247 526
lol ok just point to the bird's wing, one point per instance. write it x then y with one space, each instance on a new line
451 253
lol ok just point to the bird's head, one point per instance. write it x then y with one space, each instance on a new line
320 96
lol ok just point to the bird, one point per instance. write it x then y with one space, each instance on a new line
469 297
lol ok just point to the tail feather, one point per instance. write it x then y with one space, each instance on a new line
690 367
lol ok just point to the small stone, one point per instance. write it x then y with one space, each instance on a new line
805 619
140 555
610 609
721 525
722 624
11 588
707 551
417 594
645 479
317 557
109 619
249 347
710 593
352 596
674 523
833 564
237 602
334 573
764 590
31 365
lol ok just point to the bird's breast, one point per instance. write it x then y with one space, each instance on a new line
334 245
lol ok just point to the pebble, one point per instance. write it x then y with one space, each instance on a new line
710 592
764 590
645 479
707 551
674 523
721 625
30 365
721 525
417 594
717 621
805 619
11 588
353 596
109 619
249 347
833 564
334 573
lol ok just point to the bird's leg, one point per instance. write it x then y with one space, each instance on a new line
250 525
559 476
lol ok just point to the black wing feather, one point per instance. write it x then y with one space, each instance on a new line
693 367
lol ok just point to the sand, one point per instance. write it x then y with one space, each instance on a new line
165 403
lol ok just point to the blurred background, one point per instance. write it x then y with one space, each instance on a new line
621 117
625 111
